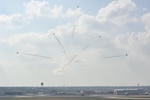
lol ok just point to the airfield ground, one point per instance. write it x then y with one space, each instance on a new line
78 98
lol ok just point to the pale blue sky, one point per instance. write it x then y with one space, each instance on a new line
17 5
89 6
27 27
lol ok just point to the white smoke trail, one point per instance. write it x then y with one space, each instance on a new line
65 65
62 67
35 55
116 56
59 43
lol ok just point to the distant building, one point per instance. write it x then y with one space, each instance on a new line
87 92
135 91
13 93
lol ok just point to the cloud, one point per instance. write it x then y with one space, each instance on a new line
27 40
117 11
77 12
116 7
11 22
91 24
21 22
136 44
115 23
20 38
42 9
87 29
145 20
117 16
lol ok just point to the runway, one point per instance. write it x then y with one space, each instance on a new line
102 97
128 97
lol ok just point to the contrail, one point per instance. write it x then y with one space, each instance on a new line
60 43
71 60
61 68
84 48
116 56
75 56
35 55
64 66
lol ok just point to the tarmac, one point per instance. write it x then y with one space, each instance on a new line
92 97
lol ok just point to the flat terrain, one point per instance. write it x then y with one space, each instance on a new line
76 98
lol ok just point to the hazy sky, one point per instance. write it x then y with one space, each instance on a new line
77 36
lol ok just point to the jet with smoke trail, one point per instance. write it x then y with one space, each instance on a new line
46 57
116 56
